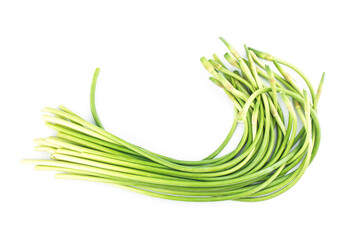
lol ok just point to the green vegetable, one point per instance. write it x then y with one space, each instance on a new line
269 159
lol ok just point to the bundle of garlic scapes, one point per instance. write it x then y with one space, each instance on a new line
270 158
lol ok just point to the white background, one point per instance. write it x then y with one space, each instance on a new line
154 92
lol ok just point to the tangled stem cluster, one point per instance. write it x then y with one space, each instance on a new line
269 159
